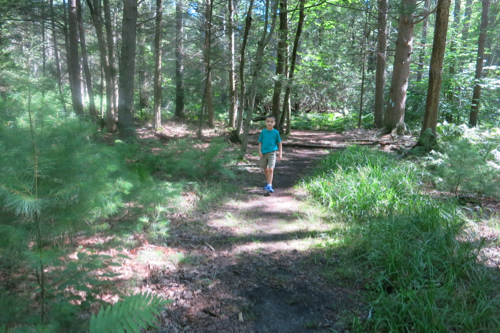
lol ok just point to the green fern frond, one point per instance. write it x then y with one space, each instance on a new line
133 313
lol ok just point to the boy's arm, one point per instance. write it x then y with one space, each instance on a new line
280 151
260 150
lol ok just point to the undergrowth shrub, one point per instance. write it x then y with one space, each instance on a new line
468 162
336 122
58 182
156 200
132 314
183 157
420 267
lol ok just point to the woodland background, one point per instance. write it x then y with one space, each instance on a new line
80 81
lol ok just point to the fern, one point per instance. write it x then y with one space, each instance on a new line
133 313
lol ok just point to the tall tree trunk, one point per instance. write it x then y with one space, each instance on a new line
479 63
127 69
243 99
233 96
74 59
142 72
381 57
96 13
86 69
44 46
265 38
395 113
157 78
436 67
293 61
179 59
467 18
111 58
208 64
456 24
280 62
56 55
423 41
363 65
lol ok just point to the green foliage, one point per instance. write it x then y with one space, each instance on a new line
130 315
422 273
183 157
60 174
419 265
468 161
360 183
335 122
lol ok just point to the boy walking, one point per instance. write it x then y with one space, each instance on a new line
269 143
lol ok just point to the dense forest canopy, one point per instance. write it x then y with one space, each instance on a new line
202 45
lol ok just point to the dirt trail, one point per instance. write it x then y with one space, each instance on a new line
252 266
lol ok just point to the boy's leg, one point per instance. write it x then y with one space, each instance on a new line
267 163
269 175
263 165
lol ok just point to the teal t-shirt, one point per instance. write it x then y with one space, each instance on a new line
270 140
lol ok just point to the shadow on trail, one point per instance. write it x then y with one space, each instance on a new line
265 237
259 292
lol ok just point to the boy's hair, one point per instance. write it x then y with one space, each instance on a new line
270 116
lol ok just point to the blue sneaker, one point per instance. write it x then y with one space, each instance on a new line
269 189
266 188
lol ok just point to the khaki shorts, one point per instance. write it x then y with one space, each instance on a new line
268 161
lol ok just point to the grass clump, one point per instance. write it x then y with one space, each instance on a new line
361 183
419 266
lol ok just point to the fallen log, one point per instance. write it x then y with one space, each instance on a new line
319 145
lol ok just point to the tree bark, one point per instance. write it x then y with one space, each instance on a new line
86 69
157 78
243 99
436 66
208 64
74 60
111 59
381 59
179 59
44 44
142 72
456 24
96 13
423 41
127 67
395 113
280 61
233 97
293 60
479 64
467 17
363 65
56 55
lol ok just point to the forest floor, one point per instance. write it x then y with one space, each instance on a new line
254 263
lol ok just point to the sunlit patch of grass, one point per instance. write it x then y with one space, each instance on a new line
211 194
176 257
192 260
361 183
150 255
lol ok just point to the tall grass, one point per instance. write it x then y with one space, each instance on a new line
419 266
361 183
